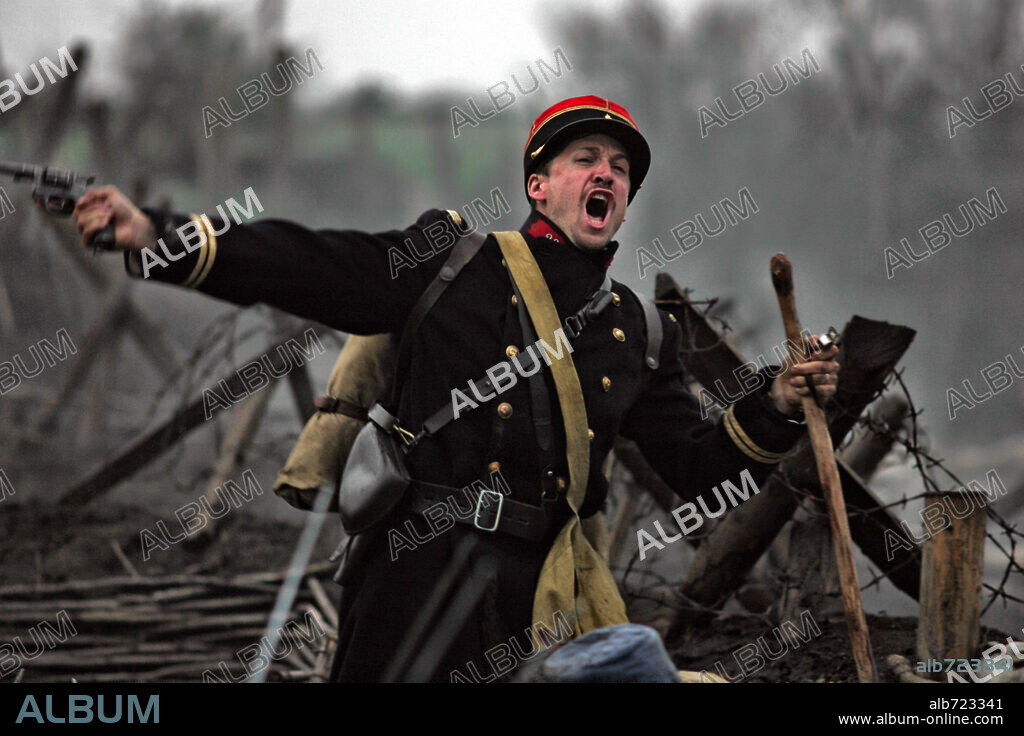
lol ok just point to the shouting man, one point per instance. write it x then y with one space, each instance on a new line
583 164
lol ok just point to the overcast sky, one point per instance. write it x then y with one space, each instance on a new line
410 44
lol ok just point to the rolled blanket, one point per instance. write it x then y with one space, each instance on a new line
361 376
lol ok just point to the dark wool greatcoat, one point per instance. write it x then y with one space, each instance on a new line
366 283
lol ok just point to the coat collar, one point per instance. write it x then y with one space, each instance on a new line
539 230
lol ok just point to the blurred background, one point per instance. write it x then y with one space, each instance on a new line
841 165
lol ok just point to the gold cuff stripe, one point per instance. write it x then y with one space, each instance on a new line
201 261
211 241
207 252
605 110
746 445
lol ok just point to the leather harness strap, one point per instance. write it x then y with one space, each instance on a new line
334 405
462 253
540 400
573 326
544 317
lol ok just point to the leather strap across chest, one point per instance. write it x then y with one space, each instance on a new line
544 317
464 250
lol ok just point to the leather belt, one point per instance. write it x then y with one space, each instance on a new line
487 510
334 405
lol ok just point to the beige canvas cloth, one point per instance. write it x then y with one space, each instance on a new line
361 375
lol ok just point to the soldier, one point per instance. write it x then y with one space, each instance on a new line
583 163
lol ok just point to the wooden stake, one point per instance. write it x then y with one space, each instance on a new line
951 568
828 475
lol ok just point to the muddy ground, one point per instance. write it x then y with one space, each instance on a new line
41 543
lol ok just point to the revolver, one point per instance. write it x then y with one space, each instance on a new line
57 191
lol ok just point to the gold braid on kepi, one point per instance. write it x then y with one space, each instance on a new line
578 117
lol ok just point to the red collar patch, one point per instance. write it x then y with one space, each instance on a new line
541 229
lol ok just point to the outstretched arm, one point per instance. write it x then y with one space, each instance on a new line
358 282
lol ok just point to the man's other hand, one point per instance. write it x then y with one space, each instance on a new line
821 370
99 207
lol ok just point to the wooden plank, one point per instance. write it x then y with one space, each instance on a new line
244 425
828 476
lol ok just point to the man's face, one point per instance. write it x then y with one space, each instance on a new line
586 190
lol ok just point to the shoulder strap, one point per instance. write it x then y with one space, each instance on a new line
654 332
574 577
462 253
546 323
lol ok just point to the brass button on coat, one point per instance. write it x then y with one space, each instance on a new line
494 467
670 316
590 434
504 410
511 351
606 383
561 483
619 335
616 299
514 299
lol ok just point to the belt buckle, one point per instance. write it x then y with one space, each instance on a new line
497 514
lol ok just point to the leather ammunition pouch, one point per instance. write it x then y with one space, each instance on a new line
375 475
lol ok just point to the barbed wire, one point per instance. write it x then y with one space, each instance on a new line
911 438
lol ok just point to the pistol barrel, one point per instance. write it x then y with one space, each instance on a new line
18 171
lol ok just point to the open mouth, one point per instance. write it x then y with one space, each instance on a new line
598 207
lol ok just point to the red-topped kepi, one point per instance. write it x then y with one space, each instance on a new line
582 116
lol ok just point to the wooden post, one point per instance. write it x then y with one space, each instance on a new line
8 324
951 568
